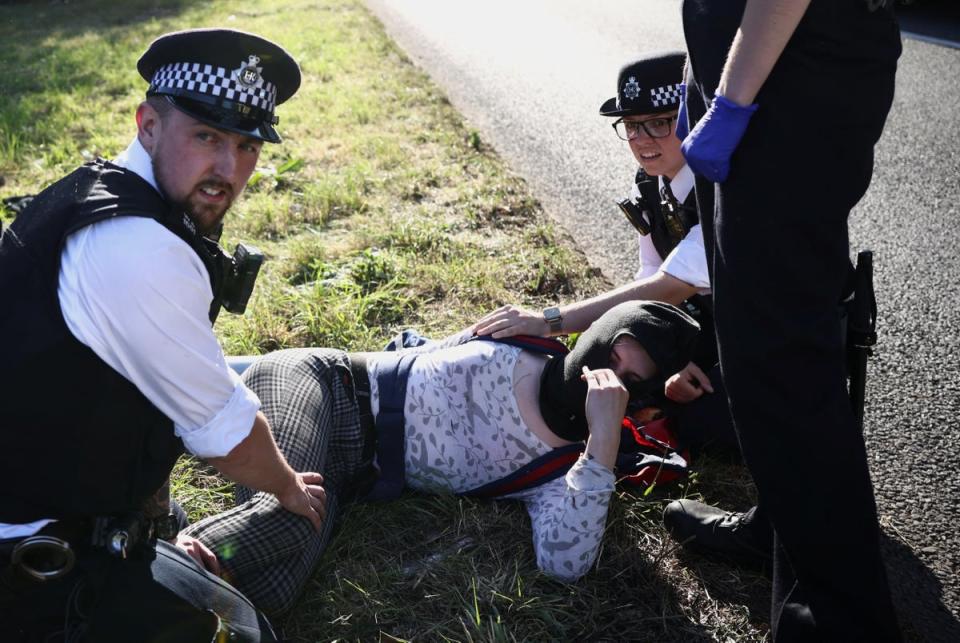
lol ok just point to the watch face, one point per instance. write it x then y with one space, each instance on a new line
553 317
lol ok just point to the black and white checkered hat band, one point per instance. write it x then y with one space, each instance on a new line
214 81
667 95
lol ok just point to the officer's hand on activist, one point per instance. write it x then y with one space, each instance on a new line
711 143
687 385
199 552
305 497
508 321
606 405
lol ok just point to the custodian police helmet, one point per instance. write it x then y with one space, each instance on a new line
648 86
229 79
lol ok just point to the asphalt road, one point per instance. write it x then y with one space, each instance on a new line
530 76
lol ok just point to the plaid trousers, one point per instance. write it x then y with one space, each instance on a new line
265 551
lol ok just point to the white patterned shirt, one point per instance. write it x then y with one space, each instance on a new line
463 429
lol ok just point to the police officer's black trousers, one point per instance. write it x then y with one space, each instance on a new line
780 262
153 596
705 423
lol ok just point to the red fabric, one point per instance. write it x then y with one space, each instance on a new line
538 473
658 428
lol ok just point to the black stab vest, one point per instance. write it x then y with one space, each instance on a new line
76 438
650 203
700 307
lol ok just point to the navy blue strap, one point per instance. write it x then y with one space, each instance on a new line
409 338
391 372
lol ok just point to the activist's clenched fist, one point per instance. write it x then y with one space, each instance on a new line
606 404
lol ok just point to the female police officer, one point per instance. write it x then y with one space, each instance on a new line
673 265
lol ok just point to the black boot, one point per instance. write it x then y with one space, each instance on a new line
743 537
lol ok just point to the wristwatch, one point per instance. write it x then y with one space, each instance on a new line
553 318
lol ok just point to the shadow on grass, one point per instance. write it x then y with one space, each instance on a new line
37 36
44 16
649 598
442 567
730 583
63 57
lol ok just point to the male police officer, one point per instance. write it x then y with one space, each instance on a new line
110 365
789 90
673 266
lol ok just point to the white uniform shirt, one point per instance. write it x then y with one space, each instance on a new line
688 261
139 297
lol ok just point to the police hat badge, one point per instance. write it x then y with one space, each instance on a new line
248 74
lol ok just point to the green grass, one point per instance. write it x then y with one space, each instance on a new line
381 210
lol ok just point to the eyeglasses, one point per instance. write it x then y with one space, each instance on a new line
654 127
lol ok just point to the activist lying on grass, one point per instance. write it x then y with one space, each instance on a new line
453 416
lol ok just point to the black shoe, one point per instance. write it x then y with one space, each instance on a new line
736 536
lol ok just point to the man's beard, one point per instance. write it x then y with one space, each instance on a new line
206 217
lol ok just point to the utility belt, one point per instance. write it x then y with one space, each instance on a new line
52 552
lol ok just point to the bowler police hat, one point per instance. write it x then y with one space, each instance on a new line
648 86
229 79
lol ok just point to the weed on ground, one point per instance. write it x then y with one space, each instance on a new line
381 210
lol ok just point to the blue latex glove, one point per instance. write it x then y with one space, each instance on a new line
710 145
682 128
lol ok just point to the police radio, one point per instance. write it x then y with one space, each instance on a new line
672 214
239 275
636 215
235 276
